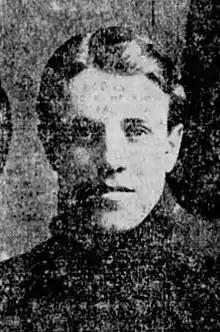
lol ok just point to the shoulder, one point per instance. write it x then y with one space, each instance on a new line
34 288
194 270
196 232
13 272
17 273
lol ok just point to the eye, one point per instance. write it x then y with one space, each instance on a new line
135 129
86 132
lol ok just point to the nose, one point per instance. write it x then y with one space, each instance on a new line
115 151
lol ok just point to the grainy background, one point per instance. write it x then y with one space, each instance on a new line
30 31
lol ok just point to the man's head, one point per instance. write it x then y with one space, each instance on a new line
107 109
5 127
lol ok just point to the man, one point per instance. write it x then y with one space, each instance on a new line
110 121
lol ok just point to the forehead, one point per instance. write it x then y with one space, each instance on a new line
97 94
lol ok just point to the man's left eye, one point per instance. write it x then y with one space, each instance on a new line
135 130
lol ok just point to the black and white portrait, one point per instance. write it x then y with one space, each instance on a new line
109 167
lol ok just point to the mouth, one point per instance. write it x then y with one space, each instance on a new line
109 189
91 192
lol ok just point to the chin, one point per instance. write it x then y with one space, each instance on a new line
121 216
119 221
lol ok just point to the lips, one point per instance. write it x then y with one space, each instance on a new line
104 189
89 190
118 189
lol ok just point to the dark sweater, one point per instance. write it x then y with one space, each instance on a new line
160 276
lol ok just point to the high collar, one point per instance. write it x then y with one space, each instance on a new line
157 224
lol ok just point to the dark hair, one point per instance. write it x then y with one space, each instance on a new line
104 49
5 127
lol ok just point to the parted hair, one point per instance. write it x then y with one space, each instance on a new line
5 127
114 49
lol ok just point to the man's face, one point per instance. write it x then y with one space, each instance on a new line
120 150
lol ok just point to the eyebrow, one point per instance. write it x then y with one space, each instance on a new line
138 121
100 124
87 120
155 79
79 118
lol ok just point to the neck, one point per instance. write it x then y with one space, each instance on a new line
74 226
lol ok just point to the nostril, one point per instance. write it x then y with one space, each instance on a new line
106 171
120 169
109 171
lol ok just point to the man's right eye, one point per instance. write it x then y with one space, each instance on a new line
89 134
84 133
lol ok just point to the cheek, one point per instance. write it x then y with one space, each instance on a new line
78 163
148 158
81 157
149 174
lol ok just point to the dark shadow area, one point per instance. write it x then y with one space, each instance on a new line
196 177
5 126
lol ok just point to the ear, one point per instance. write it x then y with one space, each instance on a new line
173 146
